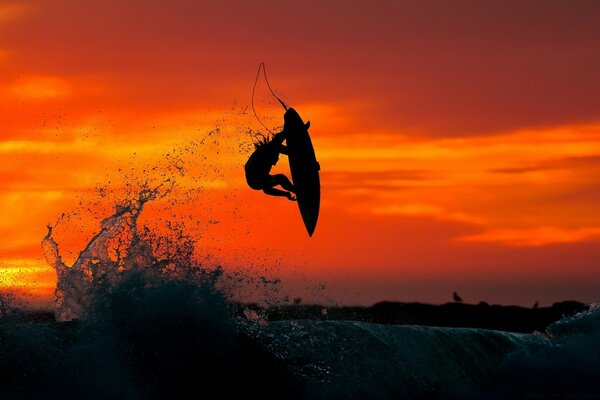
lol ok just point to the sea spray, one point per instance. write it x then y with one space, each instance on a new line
117 248
165 245
121 247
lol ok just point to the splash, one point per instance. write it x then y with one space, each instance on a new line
119 248
162 246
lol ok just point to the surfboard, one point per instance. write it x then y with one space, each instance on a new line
305 171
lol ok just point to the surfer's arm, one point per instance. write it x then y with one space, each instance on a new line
280 137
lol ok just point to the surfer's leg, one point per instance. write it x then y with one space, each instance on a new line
282 181
280 193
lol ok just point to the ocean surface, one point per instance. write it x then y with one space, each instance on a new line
168 340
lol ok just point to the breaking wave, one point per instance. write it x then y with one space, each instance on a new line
344 359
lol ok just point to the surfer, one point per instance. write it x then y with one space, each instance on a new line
265 156
304 167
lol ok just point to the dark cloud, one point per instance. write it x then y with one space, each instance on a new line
584 198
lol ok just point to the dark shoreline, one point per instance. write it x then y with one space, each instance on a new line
457 315
482 315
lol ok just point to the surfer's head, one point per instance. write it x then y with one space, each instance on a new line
263 145
261 141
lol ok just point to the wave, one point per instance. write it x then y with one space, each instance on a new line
177 338
343 359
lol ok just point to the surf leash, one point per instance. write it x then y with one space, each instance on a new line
262 66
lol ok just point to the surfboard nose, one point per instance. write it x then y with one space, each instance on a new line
292 117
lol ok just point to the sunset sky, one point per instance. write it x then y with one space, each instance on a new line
459 141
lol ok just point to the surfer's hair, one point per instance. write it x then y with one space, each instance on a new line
261 141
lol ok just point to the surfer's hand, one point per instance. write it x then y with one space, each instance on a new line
291 197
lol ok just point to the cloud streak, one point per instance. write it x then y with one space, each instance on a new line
542 236
424 210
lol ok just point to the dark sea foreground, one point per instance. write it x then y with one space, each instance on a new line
178 338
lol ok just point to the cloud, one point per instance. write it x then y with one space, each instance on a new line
541 236
27 276
11 11
40 88
426 210
561 163
373 180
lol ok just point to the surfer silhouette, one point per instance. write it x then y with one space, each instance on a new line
265 156
304 187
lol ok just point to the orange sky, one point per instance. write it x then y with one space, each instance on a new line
459 142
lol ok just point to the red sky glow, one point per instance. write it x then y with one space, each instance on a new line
459 142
